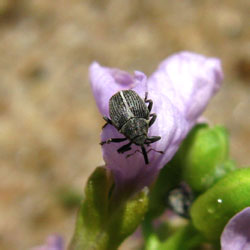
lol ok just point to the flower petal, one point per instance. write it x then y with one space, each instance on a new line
189 80
180 89
53 242
106 82
236 234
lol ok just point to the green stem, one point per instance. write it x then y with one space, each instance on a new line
147 228
184 238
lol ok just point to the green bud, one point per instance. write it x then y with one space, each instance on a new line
103 223
212 210
204 157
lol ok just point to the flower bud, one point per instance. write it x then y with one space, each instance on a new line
204 157
212 210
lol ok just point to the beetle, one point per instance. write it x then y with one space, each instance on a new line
130 115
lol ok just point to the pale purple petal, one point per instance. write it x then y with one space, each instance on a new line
53 242
236 234
189 81
106 81
180 88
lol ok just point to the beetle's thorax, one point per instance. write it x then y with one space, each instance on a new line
136 130
125 105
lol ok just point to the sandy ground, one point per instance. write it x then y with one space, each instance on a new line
49 125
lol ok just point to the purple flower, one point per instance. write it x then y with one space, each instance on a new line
53 242
236 234
180 88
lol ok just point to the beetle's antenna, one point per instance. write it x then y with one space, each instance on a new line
151 149
136 151
144 152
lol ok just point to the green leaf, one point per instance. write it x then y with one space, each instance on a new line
103 223
212 210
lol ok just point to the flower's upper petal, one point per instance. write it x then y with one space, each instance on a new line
236 234
189 80
180 89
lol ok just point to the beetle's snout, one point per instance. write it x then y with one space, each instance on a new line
140 140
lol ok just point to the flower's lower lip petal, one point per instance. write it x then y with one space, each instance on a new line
140 86
105 82
173 129
236 234
122 78
119 162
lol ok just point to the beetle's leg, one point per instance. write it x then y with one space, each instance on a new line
113 140
152 139
124 148
108 121
146 100
152 119
144 152
150 105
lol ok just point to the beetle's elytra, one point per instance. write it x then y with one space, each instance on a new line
130 115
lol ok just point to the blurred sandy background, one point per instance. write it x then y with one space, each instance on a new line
49 125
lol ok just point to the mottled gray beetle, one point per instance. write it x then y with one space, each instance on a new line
130 115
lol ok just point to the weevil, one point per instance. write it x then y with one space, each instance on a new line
131 116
